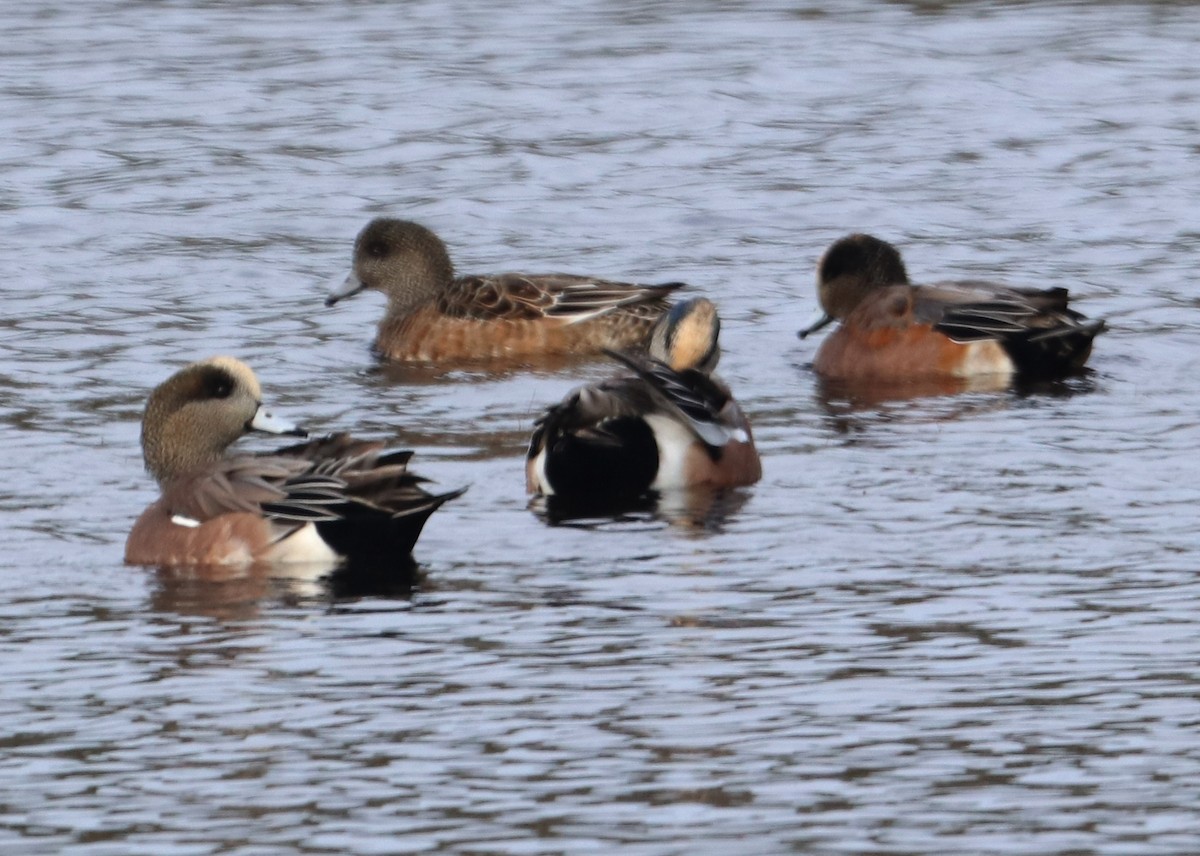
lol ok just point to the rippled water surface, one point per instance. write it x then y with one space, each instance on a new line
960 623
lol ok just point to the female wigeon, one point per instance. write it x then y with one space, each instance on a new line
893 331
330 502
671 424
434 315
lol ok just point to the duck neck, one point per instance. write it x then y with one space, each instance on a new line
171 449
422 278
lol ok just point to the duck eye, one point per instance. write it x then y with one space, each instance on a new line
214 382
376 249
219 386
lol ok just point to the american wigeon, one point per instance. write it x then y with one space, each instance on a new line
891 330
333 501
434 315
671 424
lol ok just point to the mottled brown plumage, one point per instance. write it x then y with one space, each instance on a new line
434 315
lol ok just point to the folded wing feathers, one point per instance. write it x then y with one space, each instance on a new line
334 472
311 496
588 411
1089 329
692 395
224 492
584 300
982 321
999 319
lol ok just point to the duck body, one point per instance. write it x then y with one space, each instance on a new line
434 315
892 330
330 501
669 424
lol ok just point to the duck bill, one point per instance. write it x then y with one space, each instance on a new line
348 287
820 321
268 424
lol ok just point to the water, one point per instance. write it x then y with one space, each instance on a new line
945 624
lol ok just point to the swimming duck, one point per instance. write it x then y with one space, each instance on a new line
329 501
669 424
892 330
435 315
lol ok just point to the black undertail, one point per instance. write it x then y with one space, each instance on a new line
616 459
1042 354
374 541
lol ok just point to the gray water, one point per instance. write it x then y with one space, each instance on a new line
946 624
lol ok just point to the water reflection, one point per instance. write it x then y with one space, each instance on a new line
841 397
700 509
211 592
230 594
473 371
1085 382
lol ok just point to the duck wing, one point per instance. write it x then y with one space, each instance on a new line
568 297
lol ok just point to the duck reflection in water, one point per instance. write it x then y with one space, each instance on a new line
231 593
840 397
699 509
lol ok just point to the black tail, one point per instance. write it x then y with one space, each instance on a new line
1042 354
375 541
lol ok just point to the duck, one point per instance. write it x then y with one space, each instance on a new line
326 502
891 330
668 423
435 315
